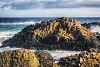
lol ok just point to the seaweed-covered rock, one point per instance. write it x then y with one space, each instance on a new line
18 58
90 58
49 64
43 56
59 33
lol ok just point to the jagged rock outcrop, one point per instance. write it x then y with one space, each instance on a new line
43 56
90 58
18 58
93 25
60 33
49 64
88 25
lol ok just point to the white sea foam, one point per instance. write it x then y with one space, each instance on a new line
57 54
20 23
0 44
95 28
7 34
4 35
8 48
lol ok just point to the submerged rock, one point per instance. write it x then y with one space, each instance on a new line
60 33
18 58
43 56
90 58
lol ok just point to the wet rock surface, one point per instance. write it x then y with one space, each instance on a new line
43 56
70 61
59 33
18 58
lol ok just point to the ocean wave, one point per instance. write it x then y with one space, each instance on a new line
95 28
7 33
4 35
7 48
20 23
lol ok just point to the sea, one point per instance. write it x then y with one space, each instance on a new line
11 26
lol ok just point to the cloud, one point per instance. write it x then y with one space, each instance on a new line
44 8
47 4
69 12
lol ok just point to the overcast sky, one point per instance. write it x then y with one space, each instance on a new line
49 8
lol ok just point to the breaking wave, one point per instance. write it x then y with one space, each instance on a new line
95 28
20 23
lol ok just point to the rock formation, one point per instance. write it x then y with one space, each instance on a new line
70 61
60 33
18 58
90 58
49 64
43 56
88 25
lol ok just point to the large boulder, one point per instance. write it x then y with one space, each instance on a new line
90 58
43 56
59 33
18 58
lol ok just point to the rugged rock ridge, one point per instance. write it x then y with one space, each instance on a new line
90 58
60 33
88 25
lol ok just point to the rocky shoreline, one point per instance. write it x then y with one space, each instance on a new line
41 58
60 33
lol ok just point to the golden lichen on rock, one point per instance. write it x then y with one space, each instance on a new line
52 34
18 58
90 58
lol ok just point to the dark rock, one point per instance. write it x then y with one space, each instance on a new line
70 61
49 64
90 58
43 56
88 25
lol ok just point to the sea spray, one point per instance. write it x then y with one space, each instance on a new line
95 28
